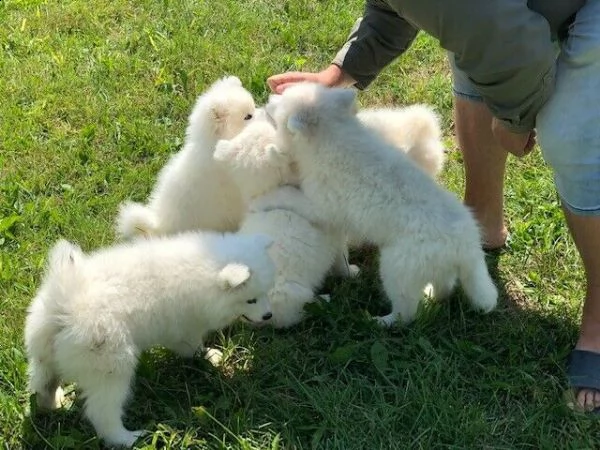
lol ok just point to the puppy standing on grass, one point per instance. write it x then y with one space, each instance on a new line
303 251
192 193
361 183
94 314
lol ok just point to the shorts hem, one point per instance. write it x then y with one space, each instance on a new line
578 211
469 97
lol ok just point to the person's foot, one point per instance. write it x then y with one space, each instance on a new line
494 233
494 239
586 399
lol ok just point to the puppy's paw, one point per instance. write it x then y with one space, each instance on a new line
59 398
342 268
353 271
325 297
387 321
429 291
125 438
487 307
214 356
48 401
487 300
136 435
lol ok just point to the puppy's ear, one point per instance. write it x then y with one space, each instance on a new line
344 98
302 121
224 151
234 276
232 80
219 112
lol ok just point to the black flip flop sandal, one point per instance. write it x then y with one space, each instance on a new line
583 371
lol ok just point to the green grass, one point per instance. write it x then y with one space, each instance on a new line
95 97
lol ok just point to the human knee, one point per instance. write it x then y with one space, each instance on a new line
573 153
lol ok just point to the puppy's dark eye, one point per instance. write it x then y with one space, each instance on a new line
251 301
248 117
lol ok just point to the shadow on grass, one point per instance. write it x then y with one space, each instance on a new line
453 378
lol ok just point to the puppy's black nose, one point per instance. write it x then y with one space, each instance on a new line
267 316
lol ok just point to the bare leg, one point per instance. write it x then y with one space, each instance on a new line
586 234
484 162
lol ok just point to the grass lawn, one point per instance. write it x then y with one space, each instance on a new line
95 97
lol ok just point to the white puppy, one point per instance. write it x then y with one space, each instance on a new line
94 314
192 193
303 251
359 181
415 129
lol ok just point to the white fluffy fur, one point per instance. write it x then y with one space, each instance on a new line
303 251
94 314
192 193
360 182
415 129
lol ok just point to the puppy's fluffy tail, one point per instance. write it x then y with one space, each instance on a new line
135 219
43 321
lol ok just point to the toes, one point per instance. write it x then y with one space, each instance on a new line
589 400
586 400
596 399
580 403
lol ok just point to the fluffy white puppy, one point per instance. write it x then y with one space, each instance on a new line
415 129
192 193
94 314
360 182
303 251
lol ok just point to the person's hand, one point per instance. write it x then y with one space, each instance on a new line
333 76
519 144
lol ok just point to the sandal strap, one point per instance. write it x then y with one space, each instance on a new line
583 370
